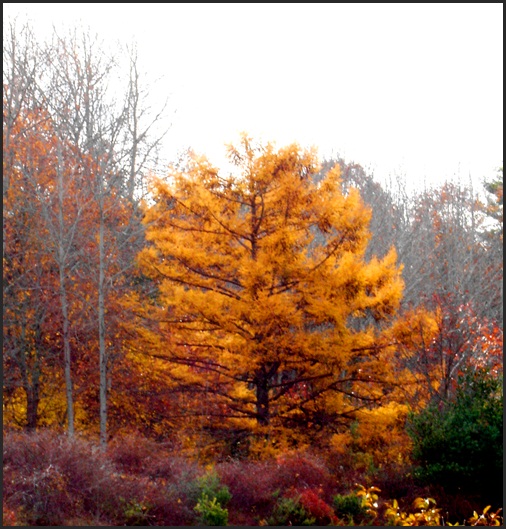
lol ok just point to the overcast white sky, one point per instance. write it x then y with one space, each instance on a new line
408 89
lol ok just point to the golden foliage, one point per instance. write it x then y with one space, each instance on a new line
378 437
263 285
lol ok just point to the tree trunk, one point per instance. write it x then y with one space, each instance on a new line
30 375
62 259
101 320
67 356
262 403
32 403
262 382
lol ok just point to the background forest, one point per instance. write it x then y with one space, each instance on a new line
281 343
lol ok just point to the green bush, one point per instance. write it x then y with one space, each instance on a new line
350 507
211 512
459 445
209 484
212 498
289 511
135 513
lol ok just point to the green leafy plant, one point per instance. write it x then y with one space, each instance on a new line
290 511
212 498
350 507
136 513
210 485
425 514
486 517
210 511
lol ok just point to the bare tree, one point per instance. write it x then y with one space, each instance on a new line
27 286
115 141
103 146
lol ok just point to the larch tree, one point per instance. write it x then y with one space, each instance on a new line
387 215
267 312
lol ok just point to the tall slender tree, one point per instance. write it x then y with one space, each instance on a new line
95 147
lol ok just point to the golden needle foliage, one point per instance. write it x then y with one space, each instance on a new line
265 301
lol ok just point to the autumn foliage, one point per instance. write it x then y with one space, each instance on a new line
266 306
52 480
241 346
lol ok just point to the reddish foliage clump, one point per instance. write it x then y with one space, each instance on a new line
303 471
254 483
52 479
9 517
132 453
317 508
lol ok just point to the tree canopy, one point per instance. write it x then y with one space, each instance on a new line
265 301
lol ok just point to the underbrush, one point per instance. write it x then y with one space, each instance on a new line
49 479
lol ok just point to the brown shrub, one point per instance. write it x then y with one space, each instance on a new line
33 480
303 471
150 476
133 453
254 484
52 479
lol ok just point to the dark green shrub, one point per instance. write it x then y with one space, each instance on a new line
289 511
209 485
459 445
349 507
211 500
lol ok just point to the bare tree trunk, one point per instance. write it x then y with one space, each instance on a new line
101 319
31 385
66 355
62 259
